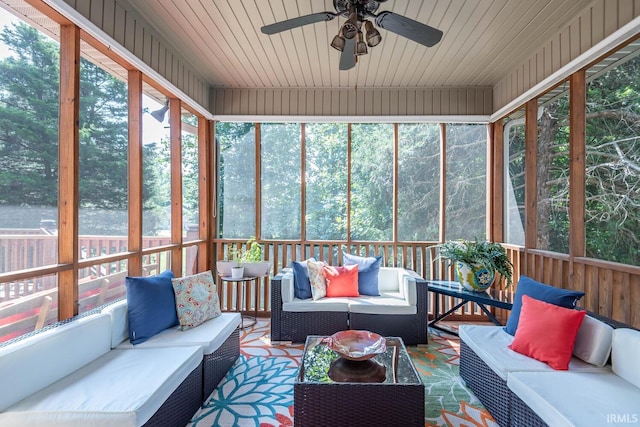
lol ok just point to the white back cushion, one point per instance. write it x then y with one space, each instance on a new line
625 354
388 279
408 288
34 363
287 288
119 322
593 342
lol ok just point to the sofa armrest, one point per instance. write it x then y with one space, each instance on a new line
422 297
408 289
276 306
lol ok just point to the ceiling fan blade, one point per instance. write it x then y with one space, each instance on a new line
298 22
413 30
348 56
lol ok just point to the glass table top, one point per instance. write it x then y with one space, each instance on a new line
317 362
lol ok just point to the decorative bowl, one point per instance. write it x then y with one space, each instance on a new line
356 345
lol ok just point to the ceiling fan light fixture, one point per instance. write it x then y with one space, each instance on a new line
371 34
350 27
361 46
338 42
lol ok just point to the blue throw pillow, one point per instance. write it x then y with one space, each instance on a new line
151 305
301 284
526 286
368 269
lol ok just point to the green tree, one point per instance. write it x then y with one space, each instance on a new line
326 181
281 180
612 218
236 141
372 181
418 182
29 100
29 118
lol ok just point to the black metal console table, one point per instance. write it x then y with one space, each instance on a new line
489 298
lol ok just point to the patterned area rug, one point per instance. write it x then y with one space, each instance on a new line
258 390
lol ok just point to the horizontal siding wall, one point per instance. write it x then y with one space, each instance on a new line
352 102
136 36
596 22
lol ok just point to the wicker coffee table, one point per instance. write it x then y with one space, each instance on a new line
320 401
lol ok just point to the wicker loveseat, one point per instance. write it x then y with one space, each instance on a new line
400 310
84 372
519 391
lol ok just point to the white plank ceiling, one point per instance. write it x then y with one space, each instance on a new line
483 40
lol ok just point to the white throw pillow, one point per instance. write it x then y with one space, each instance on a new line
317 279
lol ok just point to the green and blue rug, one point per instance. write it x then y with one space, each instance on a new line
258 390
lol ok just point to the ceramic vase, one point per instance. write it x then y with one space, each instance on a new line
474 277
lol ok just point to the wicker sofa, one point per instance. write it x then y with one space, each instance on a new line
400 310
83 372
520 391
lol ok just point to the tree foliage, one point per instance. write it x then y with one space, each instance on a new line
29 98
29 119
612 217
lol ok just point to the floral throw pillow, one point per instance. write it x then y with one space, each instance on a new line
196 299
317 279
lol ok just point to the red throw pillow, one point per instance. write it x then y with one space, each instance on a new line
547 332
341 281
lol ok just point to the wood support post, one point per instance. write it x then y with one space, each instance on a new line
135 172
68 159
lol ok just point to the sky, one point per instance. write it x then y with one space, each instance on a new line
5 19
152 130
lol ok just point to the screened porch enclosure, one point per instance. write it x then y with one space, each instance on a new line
117 164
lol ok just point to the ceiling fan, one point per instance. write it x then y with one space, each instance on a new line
350 39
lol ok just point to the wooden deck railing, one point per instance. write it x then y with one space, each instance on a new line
420 257
30 303
612 289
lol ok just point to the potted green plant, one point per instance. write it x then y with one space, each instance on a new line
477 261
244 261
252 259
237 269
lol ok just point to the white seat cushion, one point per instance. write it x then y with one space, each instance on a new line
123 388
386 303
581 399
209 335
322 304
491 343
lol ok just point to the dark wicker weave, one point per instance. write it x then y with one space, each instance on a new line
295 326
485 384
218 363
185 401
412 328
522 415
337 404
